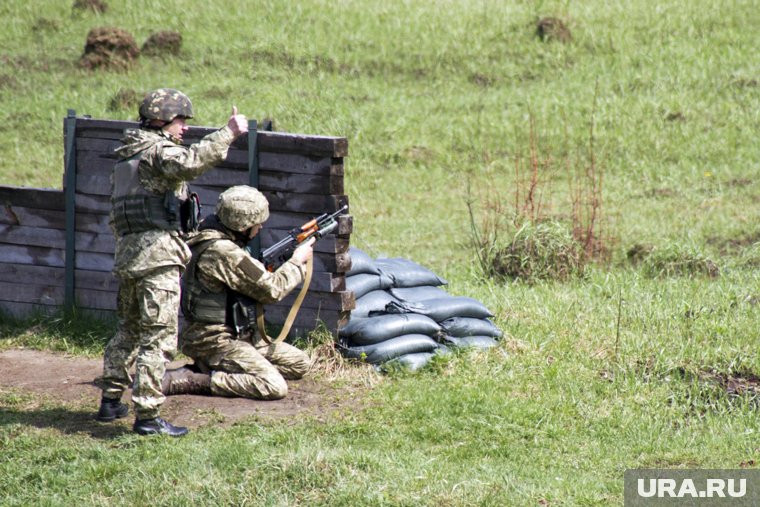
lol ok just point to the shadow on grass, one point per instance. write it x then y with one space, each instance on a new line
66 420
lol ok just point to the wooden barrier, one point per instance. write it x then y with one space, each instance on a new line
301 176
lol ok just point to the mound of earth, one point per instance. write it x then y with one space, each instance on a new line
98 6
109 47
551 28
62 395
162 43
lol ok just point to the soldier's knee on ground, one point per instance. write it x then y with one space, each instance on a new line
277 388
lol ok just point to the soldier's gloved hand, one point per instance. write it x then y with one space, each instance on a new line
238 123
304 252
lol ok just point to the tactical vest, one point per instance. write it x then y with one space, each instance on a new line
134 208
227 307
199 304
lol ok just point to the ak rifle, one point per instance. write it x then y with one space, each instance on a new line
317 228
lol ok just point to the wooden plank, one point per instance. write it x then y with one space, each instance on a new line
95 181
36 275
94 151
343 301
53 295
54 257
21 310
32 236
55 238
98 204
98 280
95 299
301 164
51 219
308 318
39 198
108 129
29 293
280 142
93 184
39 275
100 154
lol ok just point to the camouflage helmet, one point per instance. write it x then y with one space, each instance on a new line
242 207
166 104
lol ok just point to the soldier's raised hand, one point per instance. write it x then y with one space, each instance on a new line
238 123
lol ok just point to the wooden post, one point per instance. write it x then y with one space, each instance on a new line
70 182
253 176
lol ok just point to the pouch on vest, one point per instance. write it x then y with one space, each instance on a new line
190 213
241 313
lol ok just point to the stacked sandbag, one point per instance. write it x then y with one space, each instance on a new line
403 315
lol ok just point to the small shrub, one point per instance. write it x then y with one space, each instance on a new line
677 260
543 251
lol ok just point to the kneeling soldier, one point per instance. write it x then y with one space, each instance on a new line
230 361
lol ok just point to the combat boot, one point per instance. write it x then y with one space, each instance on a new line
185 381
158 426
112 408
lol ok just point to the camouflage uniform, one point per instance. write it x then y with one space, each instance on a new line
149 263
245 366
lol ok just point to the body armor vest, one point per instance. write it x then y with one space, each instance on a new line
135 209
227 307
199 304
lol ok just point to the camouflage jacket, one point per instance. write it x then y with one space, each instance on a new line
164 165
225 265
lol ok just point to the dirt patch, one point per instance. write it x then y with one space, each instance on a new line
97 6
64 397
162 43
110 48
553 29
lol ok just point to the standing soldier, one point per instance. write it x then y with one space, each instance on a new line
151 212
233 359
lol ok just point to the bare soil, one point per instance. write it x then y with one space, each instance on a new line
64 397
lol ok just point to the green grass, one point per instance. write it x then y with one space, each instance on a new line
595 375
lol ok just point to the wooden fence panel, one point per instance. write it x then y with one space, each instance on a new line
301 176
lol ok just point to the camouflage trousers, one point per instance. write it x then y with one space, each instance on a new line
146 337
241 367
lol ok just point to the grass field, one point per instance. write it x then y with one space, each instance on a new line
623 368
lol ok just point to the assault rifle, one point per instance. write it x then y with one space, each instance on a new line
317 228
246 311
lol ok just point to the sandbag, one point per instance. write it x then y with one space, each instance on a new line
409 362
389 349
440 309
468 326
374 301
406 273
361 263
478 342
369 330
416 294
364 283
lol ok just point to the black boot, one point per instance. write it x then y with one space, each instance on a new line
111 408
158 426
185 381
